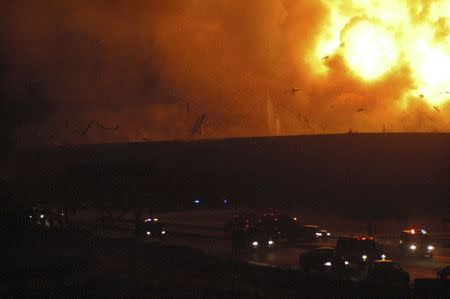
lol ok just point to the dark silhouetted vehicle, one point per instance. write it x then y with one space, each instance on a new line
359 251
444 273
323 235
240 223
310 232
416 242
281 227
387 273
151 228
322 260
46 218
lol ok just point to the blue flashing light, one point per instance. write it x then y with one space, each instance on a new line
225 201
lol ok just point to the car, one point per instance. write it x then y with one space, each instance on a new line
322 260
444 273
416 242
281 227
387 273
45 218
360 250
252 238
323 235
310 232
151 228
240 223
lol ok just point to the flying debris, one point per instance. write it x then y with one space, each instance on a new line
87 128
360 109
198 124
446 92
107 128
422 96
305 120
93 122
324 58
293 90
437 108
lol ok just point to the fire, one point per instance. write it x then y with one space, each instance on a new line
369 50
374 37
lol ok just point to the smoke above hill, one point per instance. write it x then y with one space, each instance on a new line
111 71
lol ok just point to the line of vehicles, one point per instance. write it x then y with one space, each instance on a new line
360 255
350 255
247 230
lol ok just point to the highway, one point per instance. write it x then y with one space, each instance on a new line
202 230
286 257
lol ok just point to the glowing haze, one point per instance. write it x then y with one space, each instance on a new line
207 69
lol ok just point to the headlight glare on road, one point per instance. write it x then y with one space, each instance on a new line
327 264
412 247
430 247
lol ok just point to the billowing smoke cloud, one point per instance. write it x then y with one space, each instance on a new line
154 68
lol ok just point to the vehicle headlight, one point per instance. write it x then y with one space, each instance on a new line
328 234
364 257
163 232
318 234
430 247
346 263
42 216
149 233
383 256
412 247
327 264
255 243
270 242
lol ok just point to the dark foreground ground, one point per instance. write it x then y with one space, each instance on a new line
74 263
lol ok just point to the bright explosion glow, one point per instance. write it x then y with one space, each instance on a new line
369 50
375 36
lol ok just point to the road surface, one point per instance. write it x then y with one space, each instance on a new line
287 257
187 229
